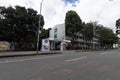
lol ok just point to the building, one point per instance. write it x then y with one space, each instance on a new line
58 32
82 43
119 42
57 36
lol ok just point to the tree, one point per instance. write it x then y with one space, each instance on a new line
118 24
20 25
73 24
88 31
45 33
107 37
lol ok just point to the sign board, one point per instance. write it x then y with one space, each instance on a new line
118 31
4 45
45 45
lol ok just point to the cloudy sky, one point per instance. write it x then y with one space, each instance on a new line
105 12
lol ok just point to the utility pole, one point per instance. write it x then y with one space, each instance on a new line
39 31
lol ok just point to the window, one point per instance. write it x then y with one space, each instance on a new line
55 30
55 35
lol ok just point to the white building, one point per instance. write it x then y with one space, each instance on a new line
57 32
58 38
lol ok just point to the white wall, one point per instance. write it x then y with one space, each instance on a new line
59 31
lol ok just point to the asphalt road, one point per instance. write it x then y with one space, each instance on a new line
98 65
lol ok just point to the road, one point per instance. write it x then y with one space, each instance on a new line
97 65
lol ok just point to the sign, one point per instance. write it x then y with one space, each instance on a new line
118 31
45 45
4 45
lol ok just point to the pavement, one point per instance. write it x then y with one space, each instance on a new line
4 54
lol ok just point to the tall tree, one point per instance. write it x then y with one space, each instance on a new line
107 37
118 24
88 31
20 25
73 24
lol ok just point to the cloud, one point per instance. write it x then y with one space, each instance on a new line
70 1
106 12
73 2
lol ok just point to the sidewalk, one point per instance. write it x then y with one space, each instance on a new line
4 54
25 53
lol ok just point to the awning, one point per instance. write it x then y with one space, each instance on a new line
52 39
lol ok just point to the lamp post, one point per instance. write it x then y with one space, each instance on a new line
39 31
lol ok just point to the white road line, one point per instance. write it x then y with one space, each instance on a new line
30 59
104 53
20 60
75 59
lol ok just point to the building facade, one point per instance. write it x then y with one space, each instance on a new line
57 36
58 32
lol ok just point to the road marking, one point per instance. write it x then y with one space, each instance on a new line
30 59
21 60
104 53
75 59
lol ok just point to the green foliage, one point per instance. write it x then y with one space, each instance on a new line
19 25
73 23
88 31
107 37
45 33
118 24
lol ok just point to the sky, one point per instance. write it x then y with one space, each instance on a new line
105 12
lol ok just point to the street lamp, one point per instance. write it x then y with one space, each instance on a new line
39 31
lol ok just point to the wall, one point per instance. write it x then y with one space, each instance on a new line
57 32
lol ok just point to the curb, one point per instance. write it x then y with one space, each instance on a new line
32 54
21 54
17 55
